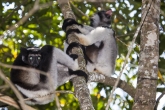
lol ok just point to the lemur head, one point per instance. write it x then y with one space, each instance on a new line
101 18
31 56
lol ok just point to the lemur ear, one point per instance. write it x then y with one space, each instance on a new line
23 50
24 53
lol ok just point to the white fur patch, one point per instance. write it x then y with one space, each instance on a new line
41 96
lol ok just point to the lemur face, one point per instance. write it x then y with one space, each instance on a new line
34 59
102 18
31 56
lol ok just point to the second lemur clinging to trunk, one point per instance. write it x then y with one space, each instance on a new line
99 40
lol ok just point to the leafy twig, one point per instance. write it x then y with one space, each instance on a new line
17 93
8 100
94 1
79 10
35 8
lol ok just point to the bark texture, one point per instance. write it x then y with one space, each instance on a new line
149 55
110 81
79 83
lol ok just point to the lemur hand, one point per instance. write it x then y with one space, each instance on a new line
79 73
68 22
74 44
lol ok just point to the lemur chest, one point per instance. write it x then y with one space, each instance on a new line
92 51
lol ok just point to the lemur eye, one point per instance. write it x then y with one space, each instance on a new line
30 58
39 58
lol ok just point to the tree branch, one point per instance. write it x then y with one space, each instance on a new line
127 56
35 8
162 12
57 102
25 69
94 1
79 10
95 77
15 10
149 56
17 93
79 83
8 100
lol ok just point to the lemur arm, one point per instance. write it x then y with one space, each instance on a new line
71 62
66 60
97 35
91 36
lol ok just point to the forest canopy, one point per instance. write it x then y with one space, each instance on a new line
43 25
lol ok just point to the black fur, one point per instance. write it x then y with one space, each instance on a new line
73 56
79 73
68 22
74 44
32 84
17 75
46 52
26 51
71 31
96 50
106 26
102 14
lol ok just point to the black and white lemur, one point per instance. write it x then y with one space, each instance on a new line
100 48
99 40
38 87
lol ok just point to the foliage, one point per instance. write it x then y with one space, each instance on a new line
44 27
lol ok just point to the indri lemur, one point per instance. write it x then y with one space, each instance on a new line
38 87
99 40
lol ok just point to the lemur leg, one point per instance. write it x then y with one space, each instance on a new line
66 60
97 35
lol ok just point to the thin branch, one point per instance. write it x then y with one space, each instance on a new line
57 102
162 12
39 96
65 92
128 54
17 93
95 77
79 10
94 1
35 8
129 34
24 68
9 101
14 10
30 70
122 42
4 87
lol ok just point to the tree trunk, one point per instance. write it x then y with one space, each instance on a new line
149 55
79 83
